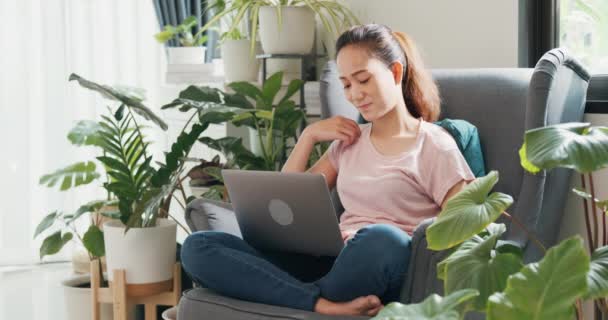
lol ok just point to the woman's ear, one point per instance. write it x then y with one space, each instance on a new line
397 70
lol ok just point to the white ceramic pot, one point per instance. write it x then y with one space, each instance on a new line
146 254
239 64
77 297
296 35
186 55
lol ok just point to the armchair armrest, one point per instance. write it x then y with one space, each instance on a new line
421 279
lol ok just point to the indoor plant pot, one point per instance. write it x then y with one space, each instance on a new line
186 55
296 20
146 254
239 65
77 297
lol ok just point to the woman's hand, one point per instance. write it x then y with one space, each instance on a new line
334 128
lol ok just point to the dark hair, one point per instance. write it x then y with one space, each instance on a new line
419 90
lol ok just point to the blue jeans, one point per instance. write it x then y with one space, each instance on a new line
374 262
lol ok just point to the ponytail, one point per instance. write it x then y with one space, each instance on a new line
419 90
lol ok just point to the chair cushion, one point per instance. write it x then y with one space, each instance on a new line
201 303
467 139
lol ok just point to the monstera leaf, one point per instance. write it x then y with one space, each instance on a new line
547 289
467 213
432 308
578 146
71 176
132 98
86 133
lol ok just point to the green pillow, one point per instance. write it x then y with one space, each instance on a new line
467 138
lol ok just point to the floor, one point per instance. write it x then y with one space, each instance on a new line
33 292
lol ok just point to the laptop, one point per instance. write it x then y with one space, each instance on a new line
290 212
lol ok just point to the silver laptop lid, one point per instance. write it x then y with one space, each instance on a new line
289 212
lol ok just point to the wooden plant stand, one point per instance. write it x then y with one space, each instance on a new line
121 294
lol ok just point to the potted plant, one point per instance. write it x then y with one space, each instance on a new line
280 20
488 275
273 122
239 65
192 50
142 241
90 245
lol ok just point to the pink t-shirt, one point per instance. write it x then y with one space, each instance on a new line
401 190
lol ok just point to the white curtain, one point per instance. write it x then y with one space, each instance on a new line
42 42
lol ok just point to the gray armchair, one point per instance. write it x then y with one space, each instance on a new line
502 104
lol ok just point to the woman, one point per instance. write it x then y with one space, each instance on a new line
391 174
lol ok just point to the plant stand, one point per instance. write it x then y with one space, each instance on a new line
121 294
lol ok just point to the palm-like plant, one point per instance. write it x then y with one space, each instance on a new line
332 14
507 289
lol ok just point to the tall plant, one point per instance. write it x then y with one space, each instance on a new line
144 191
275 120
551 288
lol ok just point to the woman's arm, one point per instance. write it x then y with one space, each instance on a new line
454 190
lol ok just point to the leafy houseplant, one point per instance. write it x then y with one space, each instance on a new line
503 287
275 123
332 14
183 32
191 50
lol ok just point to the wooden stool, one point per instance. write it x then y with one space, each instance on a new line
119 293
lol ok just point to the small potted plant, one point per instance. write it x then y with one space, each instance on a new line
280 20
192 50
239 65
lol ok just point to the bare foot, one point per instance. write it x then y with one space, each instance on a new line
367 306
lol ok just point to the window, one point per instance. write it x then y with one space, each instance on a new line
583 29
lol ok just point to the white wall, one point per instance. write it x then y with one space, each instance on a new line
451 34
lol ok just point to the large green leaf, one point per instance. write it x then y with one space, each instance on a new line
93 241
71 176
476 265
597 278
85 132
53 243
467 213
271 87
576 146
547 289
293 87
132 98
433 307
46 223
92 206
206 97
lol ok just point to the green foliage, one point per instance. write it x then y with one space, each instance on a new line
53 243
597 278
477 265
183 32
129 97
275 119
576 146
432 308
74 175
125 160
333 15
547 289
468 213
93 241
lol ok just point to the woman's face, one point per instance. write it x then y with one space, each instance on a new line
368 83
